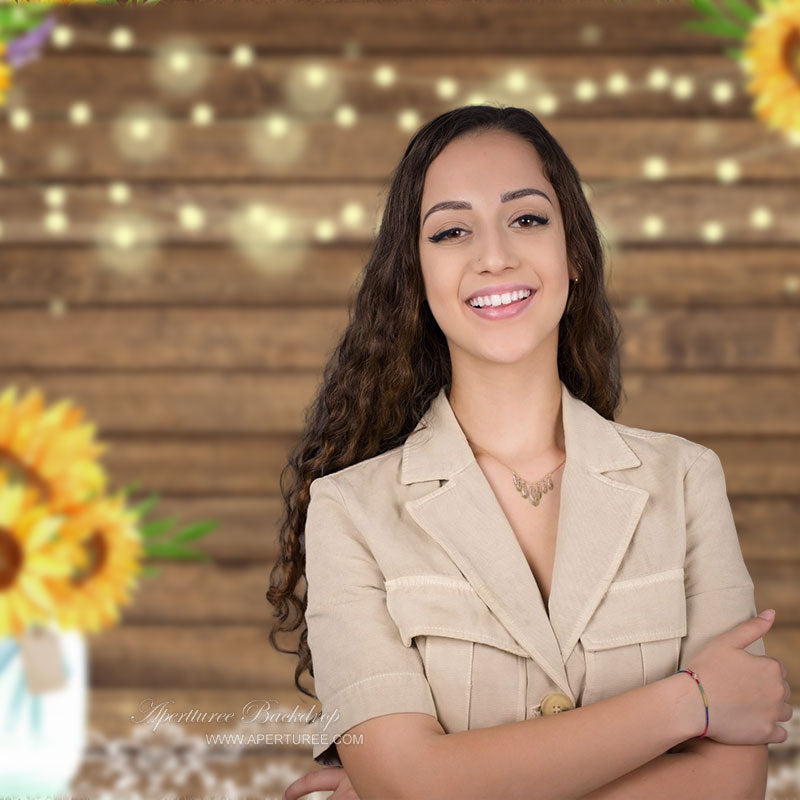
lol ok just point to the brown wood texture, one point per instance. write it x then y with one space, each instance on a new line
262 82
615 151
671 276
418 28
197 368
750 339
620 210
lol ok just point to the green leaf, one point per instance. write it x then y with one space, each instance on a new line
145 507
195 531
170 550
708 8
732 52
716 28
156 528
742 10
149 571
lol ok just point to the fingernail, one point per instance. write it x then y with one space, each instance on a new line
768 614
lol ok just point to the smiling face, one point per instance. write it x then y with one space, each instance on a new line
505 239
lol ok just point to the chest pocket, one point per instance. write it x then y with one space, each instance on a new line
475 668
634 636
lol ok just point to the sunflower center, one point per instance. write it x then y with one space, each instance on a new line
97 550
23 473
791 53
10 558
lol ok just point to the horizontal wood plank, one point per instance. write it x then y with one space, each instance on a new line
236 402
604 150
667 276
152 214
405 29
192 656
301 338
50 85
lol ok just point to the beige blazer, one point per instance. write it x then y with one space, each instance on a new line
420 597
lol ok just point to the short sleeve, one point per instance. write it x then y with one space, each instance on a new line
362 669
719 589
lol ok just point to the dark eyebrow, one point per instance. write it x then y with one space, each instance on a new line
461 205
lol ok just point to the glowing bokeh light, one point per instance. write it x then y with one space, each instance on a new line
761 217
180 65
276 140
142 133
121 38
313 88
80 113
127 241
712 231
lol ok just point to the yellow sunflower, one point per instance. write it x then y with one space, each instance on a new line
49 449
33 559
5 74
108 533
772 59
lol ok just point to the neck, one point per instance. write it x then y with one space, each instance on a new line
519 424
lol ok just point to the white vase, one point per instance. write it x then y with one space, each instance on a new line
42 735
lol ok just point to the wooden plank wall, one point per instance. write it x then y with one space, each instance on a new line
198 364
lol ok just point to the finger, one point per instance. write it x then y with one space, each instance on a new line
779 735
320 780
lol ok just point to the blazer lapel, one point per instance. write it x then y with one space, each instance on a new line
597 518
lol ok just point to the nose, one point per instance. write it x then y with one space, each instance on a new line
494 252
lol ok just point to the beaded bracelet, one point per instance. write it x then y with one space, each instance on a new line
694 675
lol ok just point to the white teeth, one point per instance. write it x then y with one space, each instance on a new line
499 299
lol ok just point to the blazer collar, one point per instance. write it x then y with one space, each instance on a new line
597 517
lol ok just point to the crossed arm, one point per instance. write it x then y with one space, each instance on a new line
700 769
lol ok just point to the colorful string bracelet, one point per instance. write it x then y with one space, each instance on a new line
692 674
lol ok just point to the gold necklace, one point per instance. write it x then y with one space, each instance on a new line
530 491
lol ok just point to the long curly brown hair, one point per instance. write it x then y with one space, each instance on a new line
392 358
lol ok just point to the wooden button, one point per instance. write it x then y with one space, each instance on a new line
556 703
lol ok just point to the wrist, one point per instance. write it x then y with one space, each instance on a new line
688 719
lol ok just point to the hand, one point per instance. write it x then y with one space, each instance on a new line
322 780
747 695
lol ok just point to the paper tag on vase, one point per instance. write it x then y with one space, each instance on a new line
42 660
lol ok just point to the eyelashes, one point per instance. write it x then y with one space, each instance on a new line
540 218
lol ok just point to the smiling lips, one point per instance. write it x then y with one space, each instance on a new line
516 303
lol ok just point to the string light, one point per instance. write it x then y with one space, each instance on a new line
655 168
728 170
119 192
652 226
121 38
202 114
761 217
55 222
55 196
191 217
80 113
712 231
242 56
181 65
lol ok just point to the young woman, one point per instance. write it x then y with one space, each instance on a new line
484 547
